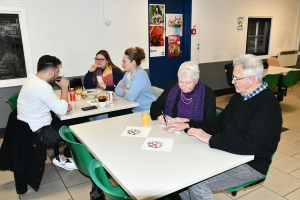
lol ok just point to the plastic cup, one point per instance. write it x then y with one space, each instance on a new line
145 117
102 101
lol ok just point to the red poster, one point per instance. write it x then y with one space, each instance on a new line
173 45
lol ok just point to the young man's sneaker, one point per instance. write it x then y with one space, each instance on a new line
66 164
70 164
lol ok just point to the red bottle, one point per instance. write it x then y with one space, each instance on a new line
72 94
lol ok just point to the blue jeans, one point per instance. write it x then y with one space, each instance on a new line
98 117
231 178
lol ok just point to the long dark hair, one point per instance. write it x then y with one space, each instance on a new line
110 64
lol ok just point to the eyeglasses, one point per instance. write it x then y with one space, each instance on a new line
99 59
234 78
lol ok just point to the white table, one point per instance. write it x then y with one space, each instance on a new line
278 70
145 174
119 104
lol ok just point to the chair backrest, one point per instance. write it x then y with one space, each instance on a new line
99 177
12 100
272 61
157 91
228 71
80 153
74 82
218 112
272 80
291 79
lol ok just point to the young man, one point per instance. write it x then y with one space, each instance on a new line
249 125
37 99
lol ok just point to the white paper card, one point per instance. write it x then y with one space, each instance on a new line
158 144
134 131
99 78
93 102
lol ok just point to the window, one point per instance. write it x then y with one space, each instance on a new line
15 52
258 36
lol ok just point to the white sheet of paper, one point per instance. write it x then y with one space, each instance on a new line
99 78
170 129
158 144
134 131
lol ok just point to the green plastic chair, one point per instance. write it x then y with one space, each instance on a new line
272 80
218 112
234 190
228 71
99 177
80 153
12 100
290 79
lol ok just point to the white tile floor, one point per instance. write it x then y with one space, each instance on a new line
283 180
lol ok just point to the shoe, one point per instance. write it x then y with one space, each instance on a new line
70 164
62 163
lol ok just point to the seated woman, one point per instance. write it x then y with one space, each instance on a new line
103 73
185 99
135 85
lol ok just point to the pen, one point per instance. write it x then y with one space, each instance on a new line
164 116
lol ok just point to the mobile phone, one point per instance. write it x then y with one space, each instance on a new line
89 108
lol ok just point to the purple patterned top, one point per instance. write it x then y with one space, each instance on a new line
193 109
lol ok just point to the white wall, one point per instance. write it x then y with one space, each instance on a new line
217 33
74 30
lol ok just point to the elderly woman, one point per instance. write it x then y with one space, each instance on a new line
185 99
135 85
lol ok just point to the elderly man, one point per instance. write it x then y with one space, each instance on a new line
249 125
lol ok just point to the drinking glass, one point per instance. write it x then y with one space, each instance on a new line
78 90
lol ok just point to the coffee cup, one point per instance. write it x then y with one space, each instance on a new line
102 101
110 96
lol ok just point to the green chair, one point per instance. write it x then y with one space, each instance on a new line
12 100
290 79
99 177
234 190
218 111
272 80
80 153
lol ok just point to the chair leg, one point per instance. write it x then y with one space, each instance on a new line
56 150
233 193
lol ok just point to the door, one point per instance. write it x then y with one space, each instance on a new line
163 69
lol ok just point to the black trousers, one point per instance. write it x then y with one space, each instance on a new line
56 123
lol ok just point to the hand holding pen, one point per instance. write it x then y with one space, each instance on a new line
164 116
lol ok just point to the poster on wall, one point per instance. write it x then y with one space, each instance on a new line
174 24
173 45
157 30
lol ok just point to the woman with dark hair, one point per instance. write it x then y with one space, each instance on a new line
157 10
103 73
135 85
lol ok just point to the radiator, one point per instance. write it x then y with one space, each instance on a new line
288 58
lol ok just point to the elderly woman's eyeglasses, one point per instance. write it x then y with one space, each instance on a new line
99 59
234 78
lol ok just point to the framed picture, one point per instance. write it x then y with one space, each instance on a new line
15 51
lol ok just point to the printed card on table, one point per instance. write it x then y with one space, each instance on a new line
133 131
158 144
93 102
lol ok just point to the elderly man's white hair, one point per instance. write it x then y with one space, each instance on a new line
252 66
189 69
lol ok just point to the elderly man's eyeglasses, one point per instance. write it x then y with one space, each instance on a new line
99 59
234 78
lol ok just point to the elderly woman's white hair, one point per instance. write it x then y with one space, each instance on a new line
189 69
